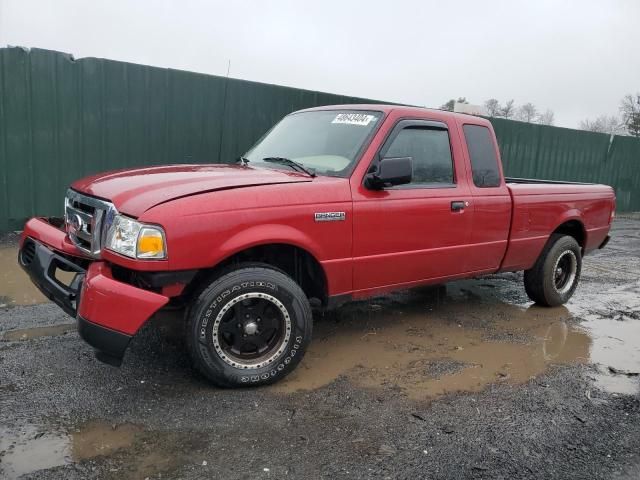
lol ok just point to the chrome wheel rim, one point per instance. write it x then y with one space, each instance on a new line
251 331
565 271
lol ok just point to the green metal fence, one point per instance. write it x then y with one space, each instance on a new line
61 119
540 151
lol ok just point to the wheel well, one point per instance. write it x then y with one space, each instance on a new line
573 228
296 262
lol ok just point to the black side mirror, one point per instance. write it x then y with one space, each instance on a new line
391 171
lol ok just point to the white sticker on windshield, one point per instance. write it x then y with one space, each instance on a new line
354 118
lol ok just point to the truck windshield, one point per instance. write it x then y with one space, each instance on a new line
324 141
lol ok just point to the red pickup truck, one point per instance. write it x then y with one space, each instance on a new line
332 204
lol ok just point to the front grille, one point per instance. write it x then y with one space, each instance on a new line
28 252
78 205
87 220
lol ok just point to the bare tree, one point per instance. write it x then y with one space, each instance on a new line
493 108
630 109
509 110
527 113
546 118
604 124
448 106
451 103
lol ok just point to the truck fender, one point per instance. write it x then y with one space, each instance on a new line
267 234
569 216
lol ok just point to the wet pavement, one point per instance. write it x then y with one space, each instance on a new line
470 380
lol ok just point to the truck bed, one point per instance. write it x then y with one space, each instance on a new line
539 206
539 181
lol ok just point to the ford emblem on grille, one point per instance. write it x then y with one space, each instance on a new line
76 223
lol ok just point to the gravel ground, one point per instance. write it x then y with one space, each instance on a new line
470 381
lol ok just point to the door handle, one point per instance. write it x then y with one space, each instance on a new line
458 205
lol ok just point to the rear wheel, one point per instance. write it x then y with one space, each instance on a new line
555 275
249 327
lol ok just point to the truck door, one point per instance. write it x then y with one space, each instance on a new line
419 231
491 199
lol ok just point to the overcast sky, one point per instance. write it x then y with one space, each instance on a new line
578 58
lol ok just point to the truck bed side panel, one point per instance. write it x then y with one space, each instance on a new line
539 209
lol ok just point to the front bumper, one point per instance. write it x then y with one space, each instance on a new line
109 312
41 265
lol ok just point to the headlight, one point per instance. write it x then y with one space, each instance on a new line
136 240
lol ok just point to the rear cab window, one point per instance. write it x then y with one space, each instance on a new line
484 159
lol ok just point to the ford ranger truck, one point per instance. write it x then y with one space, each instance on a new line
332 204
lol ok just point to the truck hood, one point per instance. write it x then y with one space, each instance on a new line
137 190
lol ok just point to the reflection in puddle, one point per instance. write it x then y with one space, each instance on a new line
443 341
29 449
37 332
616 353
612 320
15 286
136 453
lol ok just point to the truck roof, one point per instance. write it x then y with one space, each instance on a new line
408 110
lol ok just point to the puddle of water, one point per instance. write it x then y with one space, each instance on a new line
29 450
96 439
612 320
15 286
616 353
468 336
134 452
37 332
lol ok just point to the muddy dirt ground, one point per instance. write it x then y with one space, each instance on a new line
465 381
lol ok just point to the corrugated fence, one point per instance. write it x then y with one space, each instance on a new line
553 153
61 119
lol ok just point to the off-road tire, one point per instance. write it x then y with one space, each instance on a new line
540 281
207 355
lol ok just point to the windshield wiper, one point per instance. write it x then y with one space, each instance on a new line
244 161
291 163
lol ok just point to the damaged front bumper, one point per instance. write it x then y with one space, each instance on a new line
108 312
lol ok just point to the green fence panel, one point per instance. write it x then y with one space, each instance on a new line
61 119
544 152
540 151
622 169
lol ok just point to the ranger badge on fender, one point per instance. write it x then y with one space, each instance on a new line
330 216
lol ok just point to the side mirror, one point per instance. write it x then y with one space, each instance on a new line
391 171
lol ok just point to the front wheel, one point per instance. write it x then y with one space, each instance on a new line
249 327
555 275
